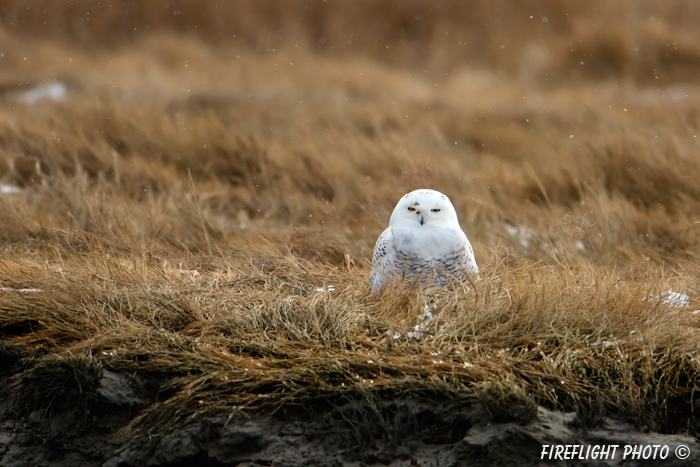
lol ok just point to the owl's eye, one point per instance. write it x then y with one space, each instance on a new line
435 210
411 209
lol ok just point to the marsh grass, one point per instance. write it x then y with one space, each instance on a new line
203 212
255 334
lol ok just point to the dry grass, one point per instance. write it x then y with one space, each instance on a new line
185 209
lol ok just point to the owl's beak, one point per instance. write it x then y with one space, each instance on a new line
422 220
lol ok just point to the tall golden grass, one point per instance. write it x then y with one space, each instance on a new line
216 167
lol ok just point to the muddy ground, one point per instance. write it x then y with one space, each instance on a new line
81 426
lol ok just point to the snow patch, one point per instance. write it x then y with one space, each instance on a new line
10 289
672 299
675 299
194 272
523 234
9 190
54 91
423 325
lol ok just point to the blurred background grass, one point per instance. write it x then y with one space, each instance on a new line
261 117
553 40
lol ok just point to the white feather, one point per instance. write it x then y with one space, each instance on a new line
423 243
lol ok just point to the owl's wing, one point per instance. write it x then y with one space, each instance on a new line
383 259
461 263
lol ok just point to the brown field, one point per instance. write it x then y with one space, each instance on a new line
179 215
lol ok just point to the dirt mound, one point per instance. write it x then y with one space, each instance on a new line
378 432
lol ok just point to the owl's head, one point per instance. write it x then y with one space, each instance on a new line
424 207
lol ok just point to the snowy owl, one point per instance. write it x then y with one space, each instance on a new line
424 243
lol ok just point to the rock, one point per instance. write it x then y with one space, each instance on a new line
9 357
512 443
237 440
118 389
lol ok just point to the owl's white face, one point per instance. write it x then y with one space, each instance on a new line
424 208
